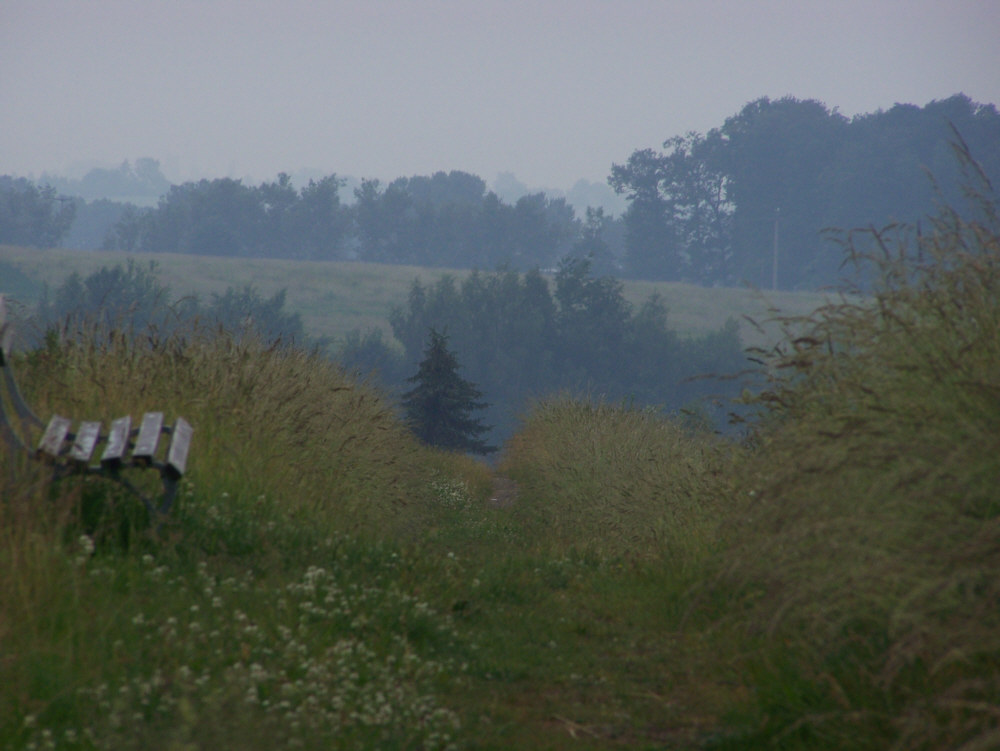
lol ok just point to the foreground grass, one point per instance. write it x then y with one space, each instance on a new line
867 546
832 582
323 580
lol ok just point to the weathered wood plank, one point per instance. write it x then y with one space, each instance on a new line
180 443
148 439
118 434
53 438
85 442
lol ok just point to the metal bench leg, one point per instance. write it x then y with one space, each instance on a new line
10 435
170 486
20 406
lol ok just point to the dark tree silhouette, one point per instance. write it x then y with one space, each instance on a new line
440 405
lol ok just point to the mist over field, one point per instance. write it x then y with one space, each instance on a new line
748 204
551 92
542 375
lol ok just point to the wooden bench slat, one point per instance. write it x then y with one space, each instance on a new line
180 442
118 433
52 440
149 438
85 442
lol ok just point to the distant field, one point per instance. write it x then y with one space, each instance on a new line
335 298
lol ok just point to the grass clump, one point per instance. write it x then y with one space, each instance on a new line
616 479
867 549
273 609
270 421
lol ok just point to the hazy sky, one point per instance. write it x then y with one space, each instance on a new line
551 90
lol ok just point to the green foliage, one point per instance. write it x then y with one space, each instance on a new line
30 215
338 297
129 296
706 208
679 219
594 242
132 299
442 220
866 546
274 421
370 355
16 283
446 220
592 323
617 479
439 407
227 218
247 310
521 340
172 639
151 651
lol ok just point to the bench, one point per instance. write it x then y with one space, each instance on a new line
92 449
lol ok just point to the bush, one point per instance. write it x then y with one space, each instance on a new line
868 549
130 298
616 479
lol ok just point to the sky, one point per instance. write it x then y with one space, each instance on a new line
552 91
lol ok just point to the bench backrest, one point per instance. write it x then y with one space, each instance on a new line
58 443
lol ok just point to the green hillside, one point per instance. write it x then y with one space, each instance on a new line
337 297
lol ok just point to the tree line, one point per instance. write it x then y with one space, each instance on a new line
445 220
749 201
519 337
513 337
746 202
130 298
32 215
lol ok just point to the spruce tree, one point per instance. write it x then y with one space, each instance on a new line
440 405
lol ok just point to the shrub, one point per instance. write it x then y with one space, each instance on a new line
868 550
616 479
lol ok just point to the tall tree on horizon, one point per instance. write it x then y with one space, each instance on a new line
439 407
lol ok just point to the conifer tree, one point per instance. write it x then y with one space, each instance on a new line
440 405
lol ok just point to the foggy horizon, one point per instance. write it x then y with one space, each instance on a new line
551 92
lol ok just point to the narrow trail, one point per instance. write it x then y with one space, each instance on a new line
504 492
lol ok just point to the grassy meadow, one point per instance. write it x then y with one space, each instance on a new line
335 298
617 580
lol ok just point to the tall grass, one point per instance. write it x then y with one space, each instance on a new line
616 479
867 551
272 421
271 610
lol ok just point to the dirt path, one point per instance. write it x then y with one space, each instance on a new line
504 492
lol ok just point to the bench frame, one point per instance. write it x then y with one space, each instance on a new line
70 452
